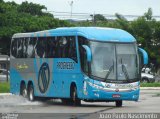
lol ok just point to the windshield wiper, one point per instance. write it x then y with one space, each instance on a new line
125 72
124 69
109 71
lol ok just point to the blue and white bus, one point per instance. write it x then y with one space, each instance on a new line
77 63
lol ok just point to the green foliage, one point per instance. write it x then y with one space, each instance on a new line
26 17
150 84
4 87
142 31
99 17
148 15
29 17
145 29
31 8
122 22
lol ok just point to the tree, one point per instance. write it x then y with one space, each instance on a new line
31 8
26 17
122 22
142 31
145 29
99 17
148 14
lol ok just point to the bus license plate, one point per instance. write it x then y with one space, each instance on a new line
116 96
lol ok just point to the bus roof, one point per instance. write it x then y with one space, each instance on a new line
92 33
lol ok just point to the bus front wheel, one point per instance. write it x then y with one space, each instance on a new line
119 103
66 101
74 98
31 93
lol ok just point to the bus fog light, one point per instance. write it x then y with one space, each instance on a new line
134 96
85 92
96 94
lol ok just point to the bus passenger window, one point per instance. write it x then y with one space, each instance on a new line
72 49
25 46
31 47
83 58
51 47
20 48
62 45
14 48
41 48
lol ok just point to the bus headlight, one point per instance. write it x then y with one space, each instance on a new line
95 86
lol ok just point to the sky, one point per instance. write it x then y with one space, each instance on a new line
124 7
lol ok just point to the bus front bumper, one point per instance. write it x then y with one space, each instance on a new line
102 94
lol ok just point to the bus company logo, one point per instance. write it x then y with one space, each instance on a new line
66 65
108 85
21 66
116 90
44 77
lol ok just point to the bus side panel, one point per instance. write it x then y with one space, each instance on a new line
14 81
80 85
21 70
66 79
43 77
62 72
65 71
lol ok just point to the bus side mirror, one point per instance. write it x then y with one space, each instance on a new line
88 51
144 56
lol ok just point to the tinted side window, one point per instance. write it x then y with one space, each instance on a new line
67 47
83 58
44 47
20 48
25 46
72 48
14 48
41 47
31 47
51 47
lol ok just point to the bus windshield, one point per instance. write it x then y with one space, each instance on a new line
114 61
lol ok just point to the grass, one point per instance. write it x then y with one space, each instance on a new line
150 84
158 94
4 87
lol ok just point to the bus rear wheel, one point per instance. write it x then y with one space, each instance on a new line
23 90
30 93
74 98
119 103
66 101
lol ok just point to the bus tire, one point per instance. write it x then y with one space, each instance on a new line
66 101
145 80
74 98
119 103
23 90
31 93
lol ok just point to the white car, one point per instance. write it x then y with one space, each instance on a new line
147 76
3 75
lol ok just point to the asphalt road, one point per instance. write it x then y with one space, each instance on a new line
149 103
